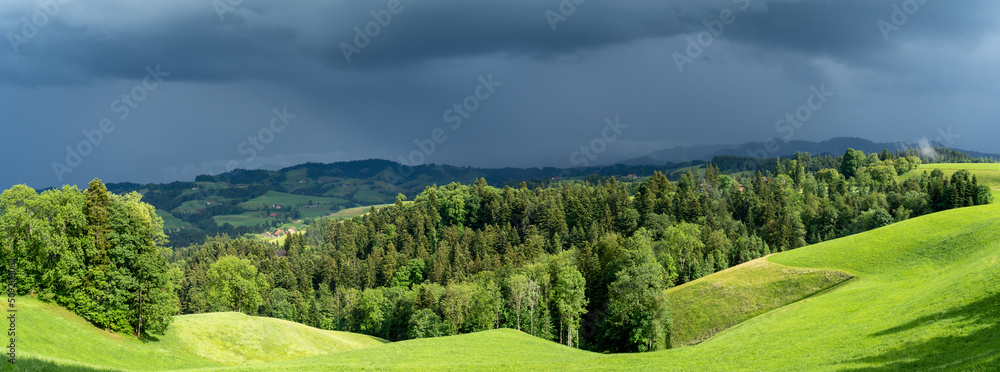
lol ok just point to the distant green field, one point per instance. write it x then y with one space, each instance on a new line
190 206
252 218
987 174
366 195
170 221
349 213
286 200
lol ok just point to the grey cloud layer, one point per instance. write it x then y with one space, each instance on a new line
607 58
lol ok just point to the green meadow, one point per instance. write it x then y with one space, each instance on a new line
717 302
50 337
290 200
170 221
349 213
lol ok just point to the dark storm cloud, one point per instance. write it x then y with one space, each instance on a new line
289 39
604 59
267 39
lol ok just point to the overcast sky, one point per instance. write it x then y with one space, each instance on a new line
163 90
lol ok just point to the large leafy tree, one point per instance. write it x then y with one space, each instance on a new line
568 297
369 312
235 284
638 312
853 160
137 247
637 309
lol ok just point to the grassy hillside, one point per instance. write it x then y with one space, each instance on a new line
286 200
170 221
925 296
238 339
988 174
50 337
714 303
256 216
502 349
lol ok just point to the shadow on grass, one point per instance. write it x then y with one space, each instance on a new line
980 349
34 364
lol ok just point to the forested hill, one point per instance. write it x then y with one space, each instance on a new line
253 201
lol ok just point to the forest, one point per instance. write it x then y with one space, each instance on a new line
581 263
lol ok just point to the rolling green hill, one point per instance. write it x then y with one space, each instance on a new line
50 337
714 303
925 296
238 339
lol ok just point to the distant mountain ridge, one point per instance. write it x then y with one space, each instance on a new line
778 148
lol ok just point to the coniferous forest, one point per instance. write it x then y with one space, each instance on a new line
581 263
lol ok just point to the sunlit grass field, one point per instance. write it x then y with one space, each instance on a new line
50 338
987 173
349 213
714 303
286 200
